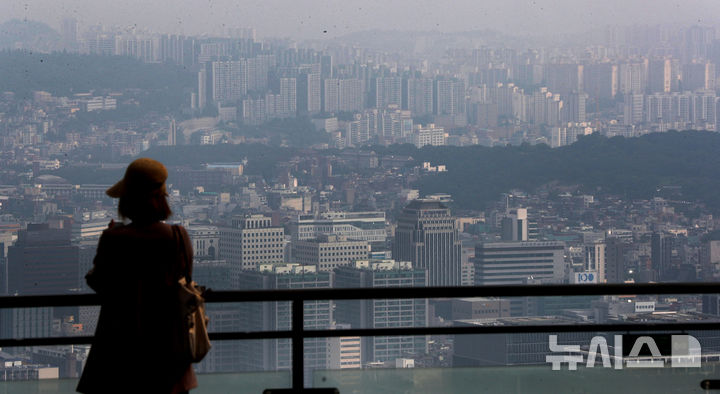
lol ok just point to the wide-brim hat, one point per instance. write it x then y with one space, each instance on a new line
141 176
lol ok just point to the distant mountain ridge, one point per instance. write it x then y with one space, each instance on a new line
28 35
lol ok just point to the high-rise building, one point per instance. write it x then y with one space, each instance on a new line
309 89
360 226
511 263
698 76
661 250
573 109
202 89
327 252
418 96
427 236
633 109
286 104
172 133
388 91
229 80
564 78
331 95
601 80
595 259
345 352
351 94
515 225
251 241
205 241
43 261
216 275
663 75
615 251
276 354
69 32
449 97
383 313
326 66
632 77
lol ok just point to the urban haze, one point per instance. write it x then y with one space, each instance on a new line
321 144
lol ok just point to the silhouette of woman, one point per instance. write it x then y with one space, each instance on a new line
135 273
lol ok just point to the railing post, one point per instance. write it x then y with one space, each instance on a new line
298 343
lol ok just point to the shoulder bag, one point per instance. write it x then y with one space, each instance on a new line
194 340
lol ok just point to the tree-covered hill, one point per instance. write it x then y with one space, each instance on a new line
477 175
64 74
632 168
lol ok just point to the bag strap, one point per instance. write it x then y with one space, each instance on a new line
182 251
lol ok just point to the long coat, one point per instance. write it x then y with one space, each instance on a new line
134 273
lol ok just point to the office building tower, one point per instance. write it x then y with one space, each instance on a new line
515 225
661 254
43 261
216 275
251 241
427 236
595 259
327 252
615 251
345 352
511 263
20 323
205 241
276 354
384 313
358 226
711 304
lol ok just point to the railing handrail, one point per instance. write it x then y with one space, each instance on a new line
297 296
314 294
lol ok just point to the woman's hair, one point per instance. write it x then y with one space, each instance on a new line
145 207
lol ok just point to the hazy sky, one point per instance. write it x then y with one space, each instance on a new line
311 18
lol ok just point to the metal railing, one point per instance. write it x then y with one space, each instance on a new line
297 297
